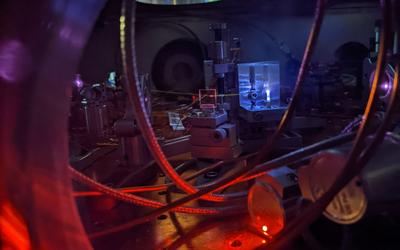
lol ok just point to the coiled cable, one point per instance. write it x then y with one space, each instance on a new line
354 163
137 200
135 97
233 179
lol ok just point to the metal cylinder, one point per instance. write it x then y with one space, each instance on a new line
375 190
220 134
125 128
218 51
135 151
273 200
95 116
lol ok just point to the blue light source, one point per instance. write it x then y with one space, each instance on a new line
259 85
112 80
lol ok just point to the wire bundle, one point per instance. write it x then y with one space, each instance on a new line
358 157
359 154
136 100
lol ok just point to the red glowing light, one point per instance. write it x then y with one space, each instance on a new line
13 230
264 228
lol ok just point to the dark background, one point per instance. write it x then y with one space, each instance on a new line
263 26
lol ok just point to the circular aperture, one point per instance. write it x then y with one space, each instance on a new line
266 209
350 204
178 66
182 71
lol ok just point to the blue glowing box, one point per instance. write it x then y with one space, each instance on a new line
259 85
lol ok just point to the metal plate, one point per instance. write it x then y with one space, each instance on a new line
170 230
350 204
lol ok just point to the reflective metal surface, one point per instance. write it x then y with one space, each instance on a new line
370 192
266 208
350 204
176 2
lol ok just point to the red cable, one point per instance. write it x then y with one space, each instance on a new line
137 200
127 38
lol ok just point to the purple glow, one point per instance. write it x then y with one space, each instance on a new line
72 36
385 86
78 81
15 61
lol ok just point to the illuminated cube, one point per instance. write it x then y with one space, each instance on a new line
259 85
